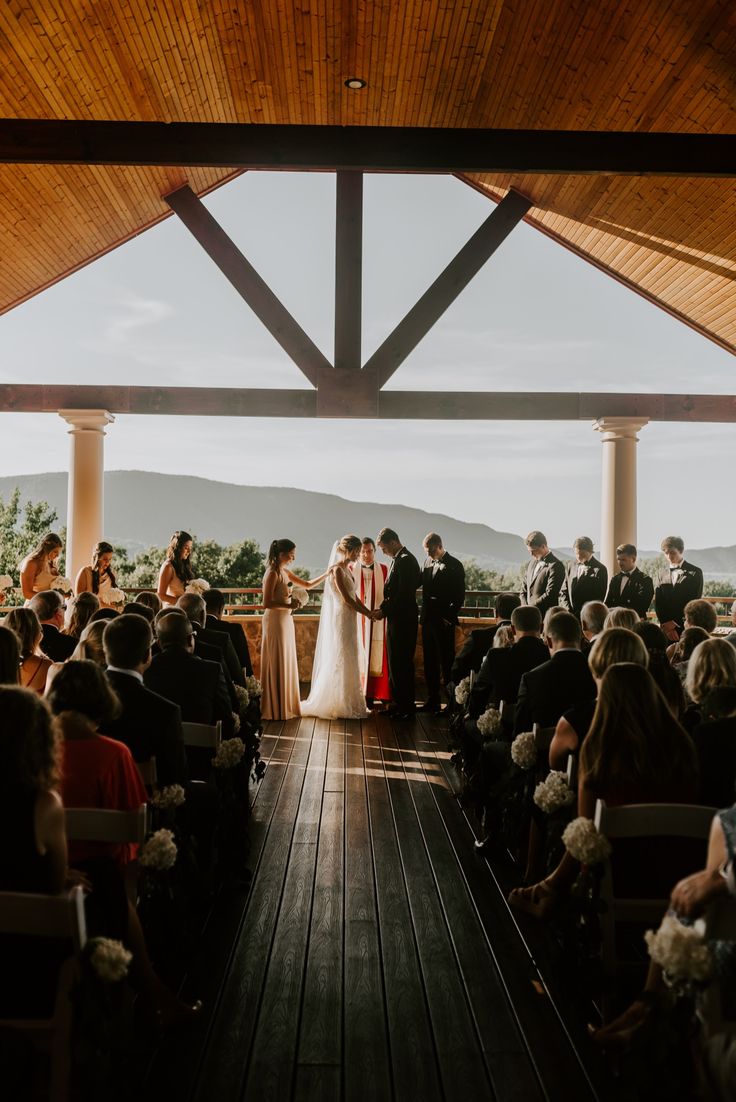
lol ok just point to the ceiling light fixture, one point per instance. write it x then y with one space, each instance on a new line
355 83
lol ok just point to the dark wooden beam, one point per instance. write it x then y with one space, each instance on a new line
179 401
448 285
248 283
367 148
348 270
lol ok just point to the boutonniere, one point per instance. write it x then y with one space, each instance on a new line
440 566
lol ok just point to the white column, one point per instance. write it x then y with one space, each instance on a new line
85 500
618 496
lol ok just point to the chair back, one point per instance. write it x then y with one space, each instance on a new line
205 735
571 772
48 916
543 738
148 773
92 824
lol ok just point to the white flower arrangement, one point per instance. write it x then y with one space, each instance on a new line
115 597
553 792
584 842
253 686
229 753
198 586
299 595
64 585
489 724
109 958
462 692
172 795
243 697
6 582
236 722
681 951
524 750
159 852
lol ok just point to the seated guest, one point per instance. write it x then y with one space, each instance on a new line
631 587
40 566
150 599
98 578
592 618
698 614
49 607
621 618
9 657
712 666
134 608
79 612
732 635
635 752
503 638
148 724
194 607
552 611
103 614
586 579
679 582
680 653
34 666
611 647
503 668
90 645
667 681
197 686
214 603
544 574
548 691
712 670
476 646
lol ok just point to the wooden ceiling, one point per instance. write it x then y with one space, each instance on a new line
624 65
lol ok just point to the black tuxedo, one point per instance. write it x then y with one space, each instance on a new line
502 671
237 638
548 691
637 593
220 639
471 654
150 726
196 685
399 606
443 595
56 646
543 589
588 585
670 597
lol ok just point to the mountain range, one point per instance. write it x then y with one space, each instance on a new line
143 508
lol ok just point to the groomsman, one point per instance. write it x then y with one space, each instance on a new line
586 579
544 575
443 595
630 588
399 607
679 583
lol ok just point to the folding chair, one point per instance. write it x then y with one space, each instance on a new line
204 735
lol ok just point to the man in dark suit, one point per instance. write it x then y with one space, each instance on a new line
399 607
504 667
49 607
544 575
443 595
196 685
479 642
194 607
559 684
586 579
149 725
679 583
630 588
214 601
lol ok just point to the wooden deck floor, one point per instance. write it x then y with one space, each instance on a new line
376 958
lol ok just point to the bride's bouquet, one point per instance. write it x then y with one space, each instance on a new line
299 595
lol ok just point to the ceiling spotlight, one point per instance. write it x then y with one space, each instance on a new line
355 83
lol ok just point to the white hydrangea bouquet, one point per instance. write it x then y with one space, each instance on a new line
159 852
229 753
524 750
553 792
583 841
681 951
300 596
198 586
253 686
169 797
462 691
243 697
6 582
489 724
109 959
64 585
115 597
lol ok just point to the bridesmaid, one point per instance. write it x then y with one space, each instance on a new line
279 669
176 569
40 566
98 578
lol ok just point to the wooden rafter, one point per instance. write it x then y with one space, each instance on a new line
348 269
366 148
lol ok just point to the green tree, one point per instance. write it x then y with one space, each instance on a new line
20 531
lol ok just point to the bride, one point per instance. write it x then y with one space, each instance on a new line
337 685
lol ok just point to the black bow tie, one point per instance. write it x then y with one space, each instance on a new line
625 574
368 566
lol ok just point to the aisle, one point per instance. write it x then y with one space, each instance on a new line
376 959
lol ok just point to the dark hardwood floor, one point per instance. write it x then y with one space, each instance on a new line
376 958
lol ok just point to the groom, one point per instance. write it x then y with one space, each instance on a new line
399 607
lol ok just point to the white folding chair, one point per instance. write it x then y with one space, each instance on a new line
93 824
542 739
59 917
204 735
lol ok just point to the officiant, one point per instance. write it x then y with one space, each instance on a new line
443 595
370 577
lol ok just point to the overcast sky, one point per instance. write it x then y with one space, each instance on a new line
156 311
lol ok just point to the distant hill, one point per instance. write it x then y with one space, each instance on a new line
143 508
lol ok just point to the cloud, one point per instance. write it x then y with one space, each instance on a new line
138 313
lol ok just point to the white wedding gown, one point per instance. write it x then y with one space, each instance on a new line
337 682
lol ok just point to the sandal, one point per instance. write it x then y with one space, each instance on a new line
538 899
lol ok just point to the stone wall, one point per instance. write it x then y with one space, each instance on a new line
306 638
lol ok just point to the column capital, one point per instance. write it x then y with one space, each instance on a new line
620 428
86 420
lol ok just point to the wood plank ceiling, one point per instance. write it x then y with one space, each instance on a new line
631 65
